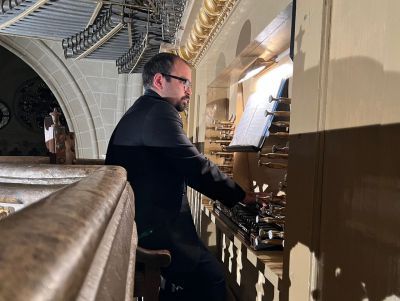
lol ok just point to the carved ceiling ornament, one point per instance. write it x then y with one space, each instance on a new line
211 17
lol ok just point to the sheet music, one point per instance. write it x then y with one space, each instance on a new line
253 125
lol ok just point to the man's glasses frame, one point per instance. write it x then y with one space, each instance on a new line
184 81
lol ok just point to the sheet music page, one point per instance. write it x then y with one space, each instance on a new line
253 124
241 130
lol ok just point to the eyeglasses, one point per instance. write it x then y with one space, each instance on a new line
186 83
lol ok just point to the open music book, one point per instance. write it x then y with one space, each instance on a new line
253 126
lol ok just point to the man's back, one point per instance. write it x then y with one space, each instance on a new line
161 161
139 144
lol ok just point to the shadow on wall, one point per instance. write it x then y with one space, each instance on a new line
355 207
244 37
221 64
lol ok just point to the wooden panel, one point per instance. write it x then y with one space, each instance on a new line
306 122
251 275
360 226
361 183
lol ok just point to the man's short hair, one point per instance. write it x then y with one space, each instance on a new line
160 63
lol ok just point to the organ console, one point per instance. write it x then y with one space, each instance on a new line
221 141
222 154
281 124
283 100
219 134
272 165
278 113
261 226
280 134
253 151
229 122
218 126
277 149
274 156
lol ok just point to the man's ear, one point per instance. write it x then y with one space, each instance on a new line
158 81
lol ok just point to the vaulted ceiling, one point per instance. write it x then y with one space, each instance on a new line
127 31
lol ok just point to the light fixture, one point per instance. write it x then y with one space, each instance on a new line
256 67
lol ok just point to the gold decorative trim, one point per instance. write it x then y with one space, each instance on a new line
22 15
211 17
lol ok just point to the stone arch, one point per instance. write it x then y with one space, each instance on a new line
54 72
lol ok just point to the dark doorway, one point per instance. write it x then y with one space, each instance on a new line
25 100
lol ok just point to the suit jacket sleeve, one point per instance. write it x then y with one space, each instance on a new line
163 131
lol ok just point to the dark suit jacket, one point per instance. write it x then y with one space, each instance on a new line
150 144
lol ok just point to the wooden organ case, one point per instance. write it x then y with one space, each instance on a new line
248 139
250 239
341 216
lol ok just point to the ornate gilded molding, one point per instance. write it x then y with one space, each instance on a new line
211 18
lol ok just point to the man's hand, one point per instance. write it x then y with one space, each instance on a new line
256 197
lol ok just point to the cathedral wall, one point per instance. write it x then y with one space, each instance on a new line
92 95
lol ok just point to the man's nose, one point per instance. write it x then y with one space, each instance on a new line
189 90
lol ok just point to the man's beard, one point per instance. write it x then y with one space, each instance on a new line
181 106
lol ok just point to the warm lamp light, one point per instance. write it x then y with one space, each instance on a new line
255 68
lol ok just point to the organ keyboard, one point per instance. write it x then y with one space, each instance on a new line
260 225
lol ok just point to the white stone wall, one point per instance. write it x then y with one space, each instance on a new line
92 95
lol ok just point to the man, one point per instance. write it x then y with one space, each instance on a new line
160 160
